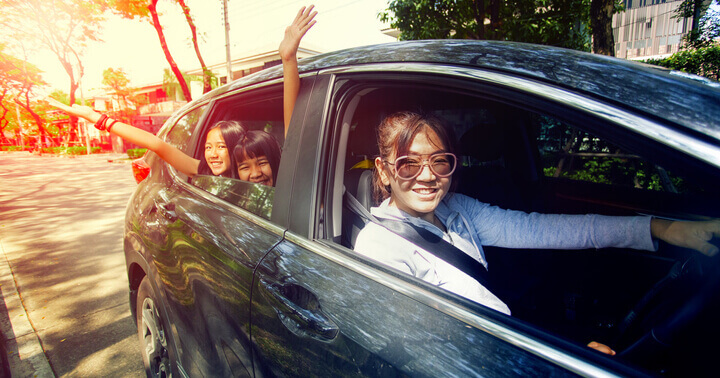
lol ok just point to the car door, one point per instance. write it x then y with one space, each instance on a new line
320 309
219 229
315 300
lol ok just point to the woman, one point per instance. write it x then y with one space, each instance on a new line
413 178
258 157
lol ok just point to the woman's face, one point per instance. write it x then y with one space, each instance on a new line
420 196
216 152
256 170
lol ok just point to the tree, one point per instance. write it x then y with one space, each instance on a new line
563 23
116 81
62 26
20 79
147 10
207 75
705 24
601 12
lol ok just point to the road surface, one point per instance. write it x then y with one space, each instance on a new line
64 296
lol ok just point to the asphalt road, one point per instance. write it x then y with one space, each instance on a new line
64 296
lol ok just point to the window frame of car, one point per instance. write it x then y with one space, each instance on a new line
522 92
195 148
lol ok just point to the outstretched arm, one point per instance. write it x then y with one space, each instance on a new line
694 235
142 138
288 53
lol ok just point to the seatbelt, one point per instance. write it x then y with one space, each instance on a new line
426 240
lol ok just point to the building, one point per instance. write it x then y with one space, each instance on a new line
647 29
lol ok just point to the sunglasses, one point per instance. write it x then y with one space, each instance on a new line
409 167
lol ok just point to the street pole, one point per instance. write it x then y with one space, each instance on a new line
227 42
22 140
86 125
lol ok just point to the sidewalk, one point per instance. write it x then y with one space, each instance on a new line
23 356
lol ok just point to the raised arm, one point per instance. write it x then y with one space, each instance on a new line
142 138
288 53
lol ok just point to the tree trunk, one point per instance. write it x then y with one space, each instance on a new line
601 12
479 12
163 44
206 73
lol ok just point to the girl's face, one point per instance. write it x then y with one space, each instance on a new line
421 195
256 170
216 152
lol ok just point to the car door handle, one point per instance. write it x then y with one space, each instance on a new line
299 311
167 210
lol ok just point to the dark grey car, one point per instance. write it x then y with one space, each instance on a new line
230 278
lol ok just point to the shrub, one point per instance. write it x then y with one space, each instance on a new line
136 153
10 148
703 61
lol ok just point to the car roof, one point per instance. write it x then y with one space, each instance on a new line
689 101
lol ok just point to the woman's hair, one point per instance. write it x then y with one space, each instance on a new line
396 133
257 143
231 132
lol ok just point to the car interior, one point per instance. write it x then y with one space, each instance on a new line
528 154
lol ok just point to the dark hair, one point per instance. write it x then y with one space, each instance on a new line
257 143
396 133
231 132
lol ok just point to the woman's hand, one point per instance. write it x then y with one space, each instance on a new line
601 348
694 235
294 33
85 112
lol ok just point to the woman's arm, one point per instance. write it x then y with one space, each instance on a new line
288 53
142 138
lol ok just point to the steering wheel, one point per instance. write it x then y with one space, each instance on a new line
667 309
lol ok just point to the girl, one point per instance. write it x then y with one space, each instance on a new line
257 152
258 157
413 177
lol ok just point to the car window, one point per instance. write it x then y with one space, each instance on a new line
574 154
252 197
179 135
251 186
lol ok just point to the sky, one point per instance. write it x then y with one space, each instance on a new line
254 25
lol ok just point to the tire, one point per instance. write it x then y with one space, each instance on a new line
154 340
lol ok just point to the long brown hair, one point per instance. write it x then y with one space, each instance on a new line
396 133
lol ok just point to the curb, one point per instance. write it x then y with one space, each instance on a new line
25 355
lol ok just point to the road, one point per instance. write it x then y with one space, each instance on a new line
64 293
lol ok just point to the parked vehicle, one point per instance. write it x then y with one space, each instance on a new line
230 278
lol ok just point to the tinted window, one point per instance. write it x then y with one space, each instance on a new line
260 113
571 153
179 135
252 197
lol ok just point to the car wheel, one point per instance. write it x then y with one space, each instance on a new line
152 333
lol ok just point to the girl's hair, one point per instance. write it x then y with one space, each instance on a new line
397 132
231 132
257 143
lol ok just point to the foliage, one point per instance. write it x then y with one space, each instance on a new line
172 88
116 81
563 23
11 148
136 153
706 29
75 150
61 26
703 61
577 155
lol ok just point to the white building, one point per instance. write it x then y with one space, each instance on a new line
647 29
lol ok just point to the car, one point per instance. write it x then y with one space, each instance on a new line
231 278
